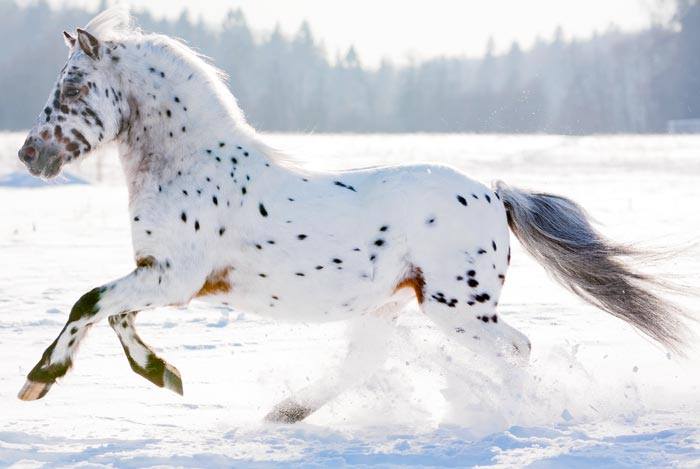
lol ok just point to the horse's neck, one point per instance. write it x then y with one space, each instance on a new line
177 114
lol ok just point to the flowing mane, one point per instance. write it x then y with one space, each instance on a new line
117 24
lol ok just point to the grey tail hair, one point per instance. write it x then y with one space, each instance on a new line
558 233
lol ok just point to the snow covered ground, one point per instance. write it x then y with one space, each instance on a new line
596 394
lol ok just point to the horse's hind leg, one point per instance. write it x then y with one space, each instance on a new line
142 359
469 317
366 353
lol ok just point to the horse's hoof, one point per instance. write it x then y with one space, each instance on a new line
33 390
288 412
172 379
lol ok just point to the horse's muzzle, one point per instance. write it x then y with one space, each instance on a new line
41 158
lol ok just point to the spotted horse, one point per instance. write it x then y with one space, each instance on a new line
218 215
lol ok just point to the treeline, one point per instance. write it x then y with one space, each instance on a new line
613 82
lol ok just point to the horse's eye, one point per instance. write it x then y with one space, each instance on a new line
71 92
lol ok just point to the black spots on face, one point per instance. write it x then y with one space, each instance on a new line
497 196
222 230
345 186
176 99
183 217
300 274
430 221
471 273
136 218
318 267
246 154
258 246
151 69
196 225
356 249
472 283
440 298
270 241
301 237
162 74
461 200
384 228
459 330
502 278
115 59
291 199
208 151
160 188
262 210
372 257
305 179
262 275
379 242
459 278
234 160
481 251
168 113
488 198
485 318
222 144
149 232
185 193
214 200
493 245
508 258
184 129
337 261
81 137
170 134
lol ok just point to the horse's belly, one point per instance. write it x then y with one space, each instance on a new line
299 300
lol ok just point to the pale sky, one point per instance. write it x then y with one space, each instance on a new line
416 29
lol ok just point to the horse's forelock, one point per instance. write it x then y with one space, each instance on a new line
113 21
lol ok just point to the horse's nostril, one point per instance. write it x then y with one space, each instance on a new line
27 153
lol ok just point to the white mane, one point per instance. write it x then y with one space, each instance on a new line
116 23
111 22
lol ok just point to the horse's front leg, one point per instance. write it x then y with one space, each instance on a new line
151 285
142 359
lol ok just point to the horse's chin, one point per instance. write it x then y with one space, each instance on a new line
49 170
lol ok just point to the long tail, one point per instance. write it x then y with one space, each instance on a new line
558 233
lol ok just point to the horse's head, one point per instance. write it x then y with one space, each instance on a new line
83 110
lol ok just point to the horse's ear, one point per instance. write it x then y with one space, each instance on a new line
69 40
89 44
